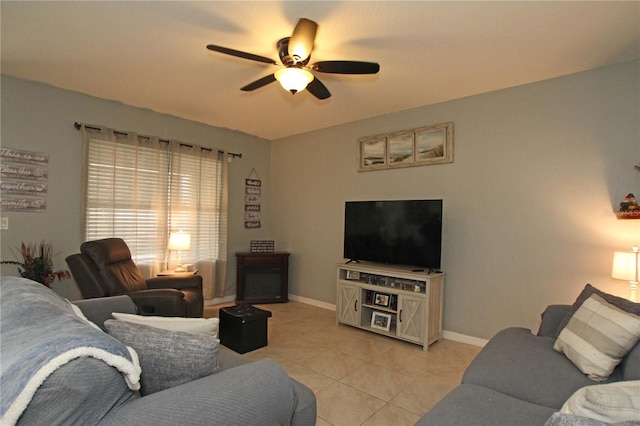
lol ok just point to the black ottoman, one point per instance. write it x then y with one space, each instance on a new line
243 328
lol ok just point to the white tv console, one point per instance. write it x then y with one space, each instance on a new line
399 302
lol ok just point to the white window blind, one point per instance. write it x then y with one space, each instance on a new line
142 188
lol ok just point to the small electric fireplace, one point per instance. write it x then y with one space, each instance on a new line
262 277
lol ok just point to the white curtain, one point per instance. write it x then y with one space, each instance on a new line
141 188
198 205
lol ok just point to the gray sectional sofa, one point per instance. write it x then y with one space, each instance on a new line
519 379
58 369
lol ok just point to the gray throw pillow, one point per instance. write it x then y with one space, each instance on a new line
619 302
167 358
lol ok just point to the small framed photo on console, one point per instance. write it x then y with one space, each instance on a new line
381 321
381 299
353 275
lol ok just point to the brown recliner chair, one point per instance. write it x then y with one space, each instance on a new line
105 268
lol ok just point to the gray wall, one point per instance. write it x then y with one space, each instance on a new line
38 117
528 201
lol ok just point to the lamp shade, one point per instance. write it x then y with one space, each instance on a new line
179 241
625 265
294 79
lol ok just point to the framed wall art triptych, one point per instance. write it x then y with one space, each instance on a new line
417 147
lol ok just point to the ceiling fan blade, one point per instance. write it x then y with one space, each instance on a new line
302 39
346 67
317 89
259 83
240 54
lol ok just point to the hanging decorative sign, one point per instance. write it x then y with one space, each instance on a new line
16 171
252 194
24 180
24 157
23 205
252 199
24 188
252 216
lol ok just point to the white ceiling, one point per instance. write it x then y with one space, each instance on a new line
152 53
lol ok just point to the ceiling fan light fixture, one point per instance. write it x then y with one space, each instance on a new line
294 79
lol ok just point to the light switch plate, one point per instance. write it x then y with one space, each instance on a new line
4 223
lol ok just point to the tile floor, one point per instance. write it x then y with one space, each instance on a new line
359 378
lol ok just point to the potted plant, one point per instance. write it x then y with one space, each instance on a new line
37 263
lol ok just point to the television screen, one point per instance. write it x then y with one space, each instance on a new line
406 232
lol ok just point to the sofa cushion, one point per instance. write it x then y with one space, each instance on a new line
517 363
598 336
168 358
305 412
258 393
610 403
476 405
630 366
205 326
551 318
229 359
620 302
99 309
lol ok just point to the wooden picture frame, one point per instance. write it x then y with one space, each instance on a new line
434 144
382 299
416 147
353 275
381 321
372 153
400 149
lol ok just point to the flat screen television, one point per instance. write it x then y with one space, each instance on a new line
399 232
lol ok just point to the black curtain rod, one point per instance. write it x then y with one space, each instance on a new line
78 126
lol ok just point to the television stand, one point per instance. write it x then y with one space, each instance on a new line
394 301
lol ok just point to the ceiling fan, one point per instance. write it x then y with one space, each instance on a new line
295 53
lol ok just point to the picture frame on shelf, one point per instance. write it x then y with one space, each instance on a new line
382 299
353 275
381 321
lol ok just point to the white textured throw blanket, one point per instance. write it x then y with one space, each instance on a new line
40 333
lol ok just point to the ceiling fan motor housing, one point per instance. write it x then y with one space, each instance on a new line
287 59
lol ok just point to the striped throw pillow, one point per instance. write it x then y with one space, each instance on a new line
597 337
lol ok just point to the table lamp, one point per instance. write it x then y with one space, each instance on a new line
625 267
179 241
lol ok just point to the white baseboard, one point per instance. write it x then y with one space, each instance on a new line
312 302
220 300
463 338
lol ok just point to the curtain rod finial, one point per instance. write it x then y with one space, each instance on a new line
77 125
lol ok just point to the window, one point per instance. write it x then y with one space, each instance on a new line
142 188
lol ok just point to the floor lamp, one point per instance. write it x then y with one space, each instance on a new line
625 267
179 241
